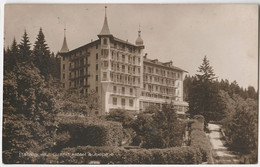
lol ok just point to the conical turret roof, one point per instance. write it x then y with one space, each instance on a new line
105 29
64 47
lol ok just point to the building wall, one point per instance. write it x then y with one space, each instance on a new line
102 66
119 78
162 84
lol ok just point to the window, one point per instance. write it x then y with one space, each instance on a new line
96 77
63 66
123 58
96 66
70 65
81 82
70 74
81 72
82 62
117 67
63 58
63 76
114 101
97 46
123 90
114 89
105 41
63 85
105 64
123 68
123 102
104 76
70 84
117 56
131 102
131 91
97 56
96 89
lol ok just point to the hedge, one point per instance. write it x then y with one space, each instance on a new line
109 134
87 131
199 139
119 155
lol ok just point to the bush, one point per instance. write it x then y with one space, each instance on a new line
199 118
91 131
199 139
175 155
120 115
196 125
159 128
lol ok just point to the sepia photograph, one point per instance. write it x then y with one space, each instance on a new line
130 84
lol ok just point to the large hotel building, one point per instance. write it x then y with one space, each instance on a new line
122 74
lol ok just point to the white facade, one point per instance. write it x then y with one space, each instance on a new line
118 71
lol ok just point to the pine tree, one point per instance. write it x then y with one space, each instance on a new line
206 70
7 55
251 92
24 47
10 57
41 54
203 95
55 66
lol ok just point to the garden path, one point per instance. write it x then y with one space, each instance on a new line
221 154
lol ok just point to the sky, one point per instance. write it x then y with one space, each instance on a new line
226 34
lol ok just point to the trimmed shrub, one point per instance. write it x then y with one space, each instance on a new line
200 118
87 131
106 155
196 125
199 139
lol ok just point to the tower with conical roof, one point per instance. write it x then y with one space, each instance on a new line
105 29
64 48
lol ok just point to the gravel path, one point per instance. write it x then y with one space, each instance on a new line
220 153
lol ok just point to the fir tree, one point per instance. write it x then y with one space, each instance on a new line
7 56
24 47
203 95
10 57
42 54
206 70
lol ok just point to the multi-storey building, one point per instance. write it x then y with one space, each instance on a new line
162 83
120 73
